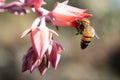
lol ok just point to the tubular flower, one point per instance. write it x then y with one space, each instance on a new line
51 56
18 7
65 15
35 3
2 2
44 50
15 7
40 36
54 54
32 3
30 60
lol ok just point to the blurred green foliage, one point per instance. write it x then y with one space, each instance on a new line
97 62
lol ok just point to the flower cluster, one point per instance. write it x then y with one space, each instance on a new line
44 50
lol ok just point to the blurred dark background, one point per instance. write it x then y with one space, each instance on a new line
99 61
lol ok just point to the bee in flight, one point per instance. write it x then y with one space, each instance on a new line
87 31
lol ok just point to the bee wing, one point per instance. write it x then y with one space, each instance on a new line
95 34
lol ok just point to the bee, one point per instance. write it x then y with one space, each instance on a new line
87 31
87 36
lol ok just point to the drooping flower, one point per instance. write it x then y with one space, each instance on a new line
31 60
33 3
18 7
40 36
2 1
65 15
45 64
44 50
15 7
54 56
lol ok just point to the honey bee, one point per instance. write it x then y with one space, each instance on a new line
87 31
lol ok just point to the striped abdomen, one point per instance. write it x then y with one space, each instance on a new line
87 36
85 41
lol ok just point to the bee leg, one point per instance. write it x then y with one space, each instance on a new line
57 28
78 30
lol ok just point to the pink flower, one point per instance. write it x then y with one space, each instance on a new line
15 7
2 1
54 54
65 15
33 3
44 50
32 61
18 7
40 36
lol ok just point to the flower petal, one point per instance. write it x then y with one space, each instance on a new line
15 7
36 23
65 15
35 3
35 64
27 60
54 57
65 2
30 61
44 65
53 32
40 38
25 33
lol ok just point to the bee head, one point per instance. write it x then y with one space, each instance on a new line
86 22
